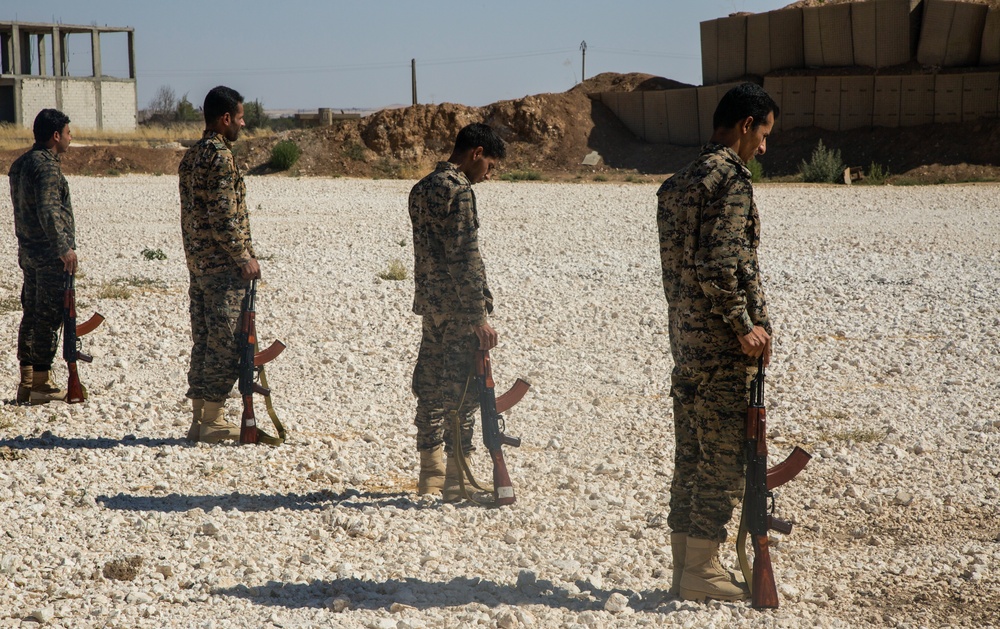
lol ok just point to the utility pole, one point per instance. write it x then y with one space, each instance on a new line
583 66
413 75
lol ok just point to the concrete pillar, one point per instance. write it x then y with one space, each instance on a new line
63 53
95 52
42 65
6 53
15 51
131 54
25 44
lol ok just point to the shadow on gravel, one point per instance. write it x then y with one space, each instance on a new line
48 441
350 498
459 591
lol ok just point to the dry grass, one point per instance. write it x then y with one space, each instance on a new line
14 137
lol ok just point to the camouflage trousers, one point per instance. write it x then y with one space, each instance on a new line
216 301
41 307
710 410
440 378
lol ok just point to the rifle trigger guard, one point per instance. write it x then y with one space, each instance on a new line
770 498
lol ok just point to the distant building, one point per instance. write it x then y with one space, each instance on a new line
34 75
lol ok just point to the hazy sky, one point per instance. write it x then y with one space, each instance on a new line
304 54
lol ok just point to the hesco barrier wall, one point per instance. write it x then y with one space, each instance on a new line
836 103
876 34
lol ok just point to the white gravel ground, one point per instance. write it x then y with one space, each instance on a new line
886 368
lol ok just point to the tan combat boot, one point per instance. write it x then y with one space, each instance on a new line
432 471
704 577
24 386
214 427
678 548
43 389
194 432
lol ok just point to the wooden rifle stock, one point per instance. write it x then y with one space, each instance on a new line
764 592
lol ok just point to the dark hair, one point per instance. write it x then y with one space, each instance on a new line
478 134
47 122
746 99
219 101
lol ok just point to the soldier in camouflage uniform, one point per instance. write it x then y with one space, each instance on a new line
46 251
452 296
216 230
709 231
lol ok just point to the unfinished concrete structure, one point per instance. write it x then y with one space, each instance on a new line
34 75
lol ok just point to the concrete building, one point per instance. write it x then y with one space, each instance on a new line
34 75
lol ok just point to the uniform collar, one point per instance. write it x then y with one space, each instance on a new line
727 153
443 166
215 135
48 152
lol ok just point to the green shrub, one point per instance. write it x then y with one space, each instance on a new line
395 272
521 175
153 254
756 171
824 167
284 155
600 178
877 174
354 151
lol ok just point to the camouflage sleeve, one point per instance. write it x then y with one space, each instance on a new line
721 241
52 216
461 256
221 205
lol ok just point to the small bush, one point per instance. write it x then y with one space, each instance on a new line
877 174
756 171
824 167
153 254
354 151
284 155
521 175
600 178
114 291
634 179
395 272
386 168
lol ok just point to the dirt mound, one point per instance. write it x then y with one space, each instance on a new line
552 133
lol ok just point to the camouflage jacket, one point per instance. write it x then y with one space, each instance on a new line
43 213
448 272
215 224
709 233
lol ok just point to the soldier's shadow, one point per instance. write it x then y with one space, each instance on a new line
419 594
49 441
350 498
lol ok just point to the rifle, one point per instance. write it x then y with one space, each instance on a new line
494 438
758 500
72 346
250 367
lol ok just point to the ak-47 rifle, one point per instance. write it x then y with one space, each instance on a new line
758 501
251 367
494 438
72 352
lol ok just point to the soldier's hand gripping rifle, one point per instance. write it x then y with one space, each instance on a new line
494 438
75 391
758 501
251 368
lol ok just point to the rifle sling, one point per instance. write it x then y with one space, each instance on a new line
464 470
263 437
